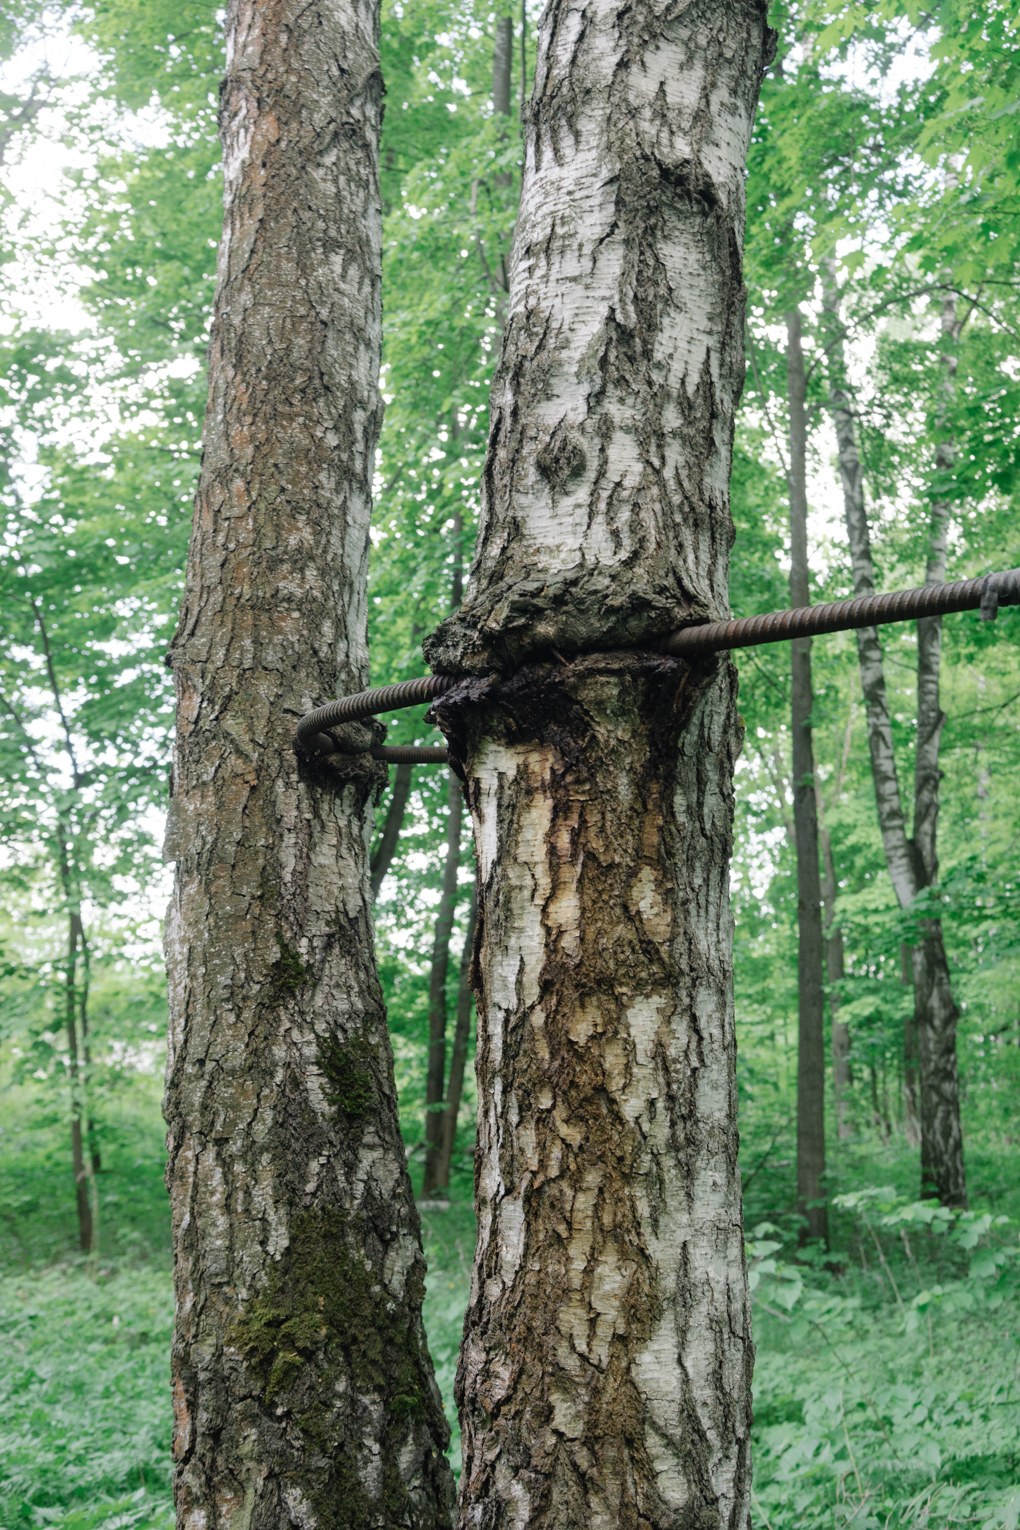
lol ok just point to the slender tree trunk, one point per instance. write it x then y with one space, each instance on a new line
502 64
82 988
84 1030
942 1168
303 1392
494 262
436 1099
382 855
436 1072
835 973
911 1056
891 819
459 1052
911 863
811 1202
79 1163
84 1154
605 1376
835 956
879 1115
71 881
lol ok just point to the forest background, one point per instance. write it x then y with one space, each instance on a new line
882 223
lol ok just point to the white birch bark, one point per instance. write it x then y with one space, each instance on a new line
626 303
911 860
942 1164
605 1378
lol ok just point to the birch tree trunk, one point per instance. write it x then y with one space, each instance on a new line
605 1375
911 862
303 1392
942 1165
810 953
835 973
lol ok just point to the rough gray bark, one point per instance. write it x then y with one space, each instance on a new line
605 1375
911 861
811 1202
303 1392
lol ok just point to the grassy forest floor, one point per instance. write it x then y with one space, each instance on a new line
887 1385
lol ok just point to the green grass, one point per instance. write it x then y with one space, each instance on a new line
887 1385
85 1398
887 1392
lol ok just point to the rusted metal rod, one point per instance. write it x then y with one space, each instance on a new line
312 735
986 594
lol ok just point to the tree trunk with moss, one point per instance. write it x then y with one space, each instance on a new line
303 1392
605 1375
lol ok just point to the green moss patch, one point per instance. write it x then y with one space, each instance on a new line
347 1067
324 1328
289 972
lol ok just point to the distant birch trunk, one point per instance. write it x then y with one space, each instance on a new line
911 861
811 1202
835 972
605 1376
942 1167
303 1393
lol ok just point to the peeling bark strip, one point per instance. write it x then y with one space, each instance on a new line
605 502
304 1396
605 1376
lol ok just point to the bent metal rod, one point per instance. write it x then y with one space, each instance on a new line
986 594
